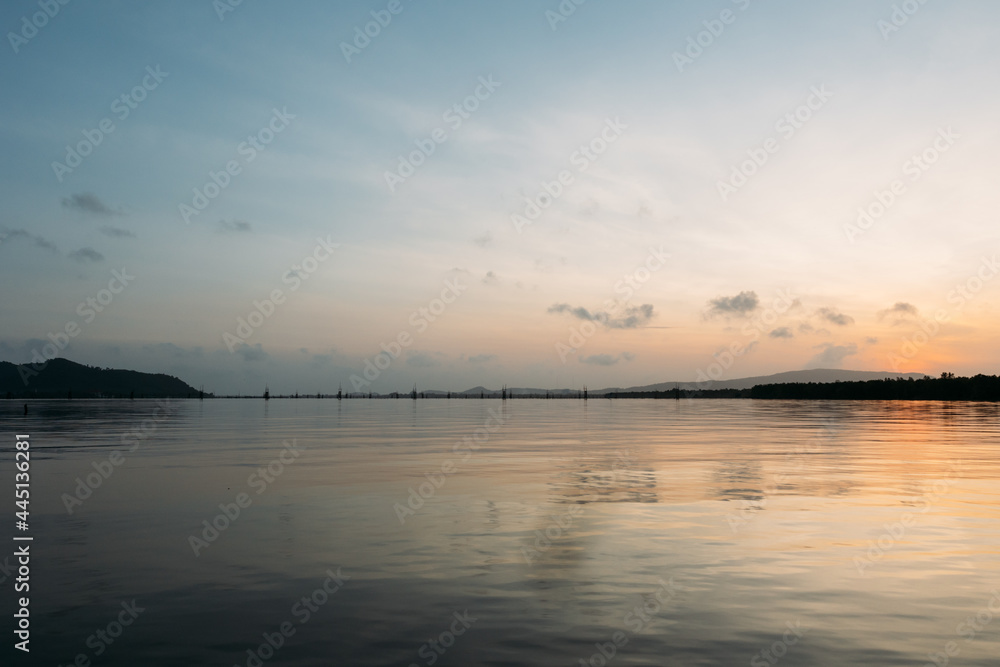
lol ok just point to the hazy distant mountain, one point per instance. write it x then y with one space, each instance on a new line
61 377
814 375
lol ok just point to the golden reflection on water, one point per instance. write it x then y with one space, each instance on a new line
876 524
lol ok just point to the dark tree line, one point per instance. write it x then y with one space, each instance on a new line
945 388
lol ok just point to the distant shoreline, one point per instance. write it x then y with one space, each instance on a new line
62 379
980 388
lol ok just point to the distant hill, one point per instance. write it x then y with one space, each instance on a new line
816 375
62 378
821 375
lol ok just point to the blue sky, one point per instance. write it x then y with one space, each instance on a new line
877 298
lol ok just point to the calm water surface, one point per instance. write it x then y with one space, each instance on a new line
548 532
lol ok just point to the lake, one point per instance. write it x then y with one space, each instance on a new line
525 532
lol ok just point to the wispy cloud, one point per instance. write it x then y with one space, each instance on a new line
117 232
234 226
482 358
606 359
832 356
86 255
88 202
740 305
631 317
899 313
252 352
34 239
782 332
834 317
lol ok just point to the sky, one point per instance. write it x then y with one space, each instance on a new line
371 195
